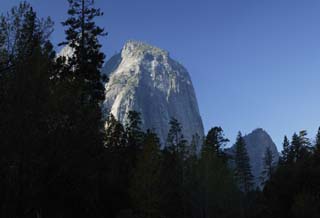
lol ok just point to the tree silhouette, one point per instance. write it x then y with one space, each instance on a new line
242 165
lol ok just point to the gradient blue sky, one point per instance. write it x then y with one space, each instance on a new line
254 63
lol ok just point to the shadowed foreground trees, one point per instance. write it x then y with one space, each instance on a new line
50 137
27 64
294 190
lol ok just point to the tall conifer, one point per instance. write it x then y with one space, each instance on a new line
268 166
243 173
216 141
145 189
287 152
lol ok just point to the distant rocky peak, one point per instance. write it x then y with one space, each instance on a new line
135 48
259 131
259 137
145 79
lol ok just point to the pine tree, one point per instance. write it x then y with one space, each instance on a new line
80 77
25 69
317 142
145 183
133 129
300 146
297 198
18 31
115 170
287 152
173 172
216 189
296 147
195 146
242 165
176 142
83 37
216 141
79 127
317 147
191 181
134 135
268 166
115 137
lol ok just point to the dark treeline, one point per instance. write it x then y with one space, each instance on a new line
60 157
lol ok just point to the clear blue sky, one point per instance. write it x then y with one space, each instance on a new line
254 63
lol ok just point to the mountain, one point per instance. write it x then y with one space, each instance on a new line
146 79
256 143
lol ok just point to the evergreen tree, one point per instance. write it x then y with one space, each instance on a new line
216 141
18 31
134 136
287 152
317 147
216 189
173 173
80 76
87 60
300 146
317 140
124 147
145 184
133 129
115 137
242 165
191 181
195 146
296 146
115 170
268 166
78 125
25 70
176 142
81 73
297 198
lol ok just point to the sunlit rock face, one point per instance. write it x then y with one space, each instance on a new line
145 79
